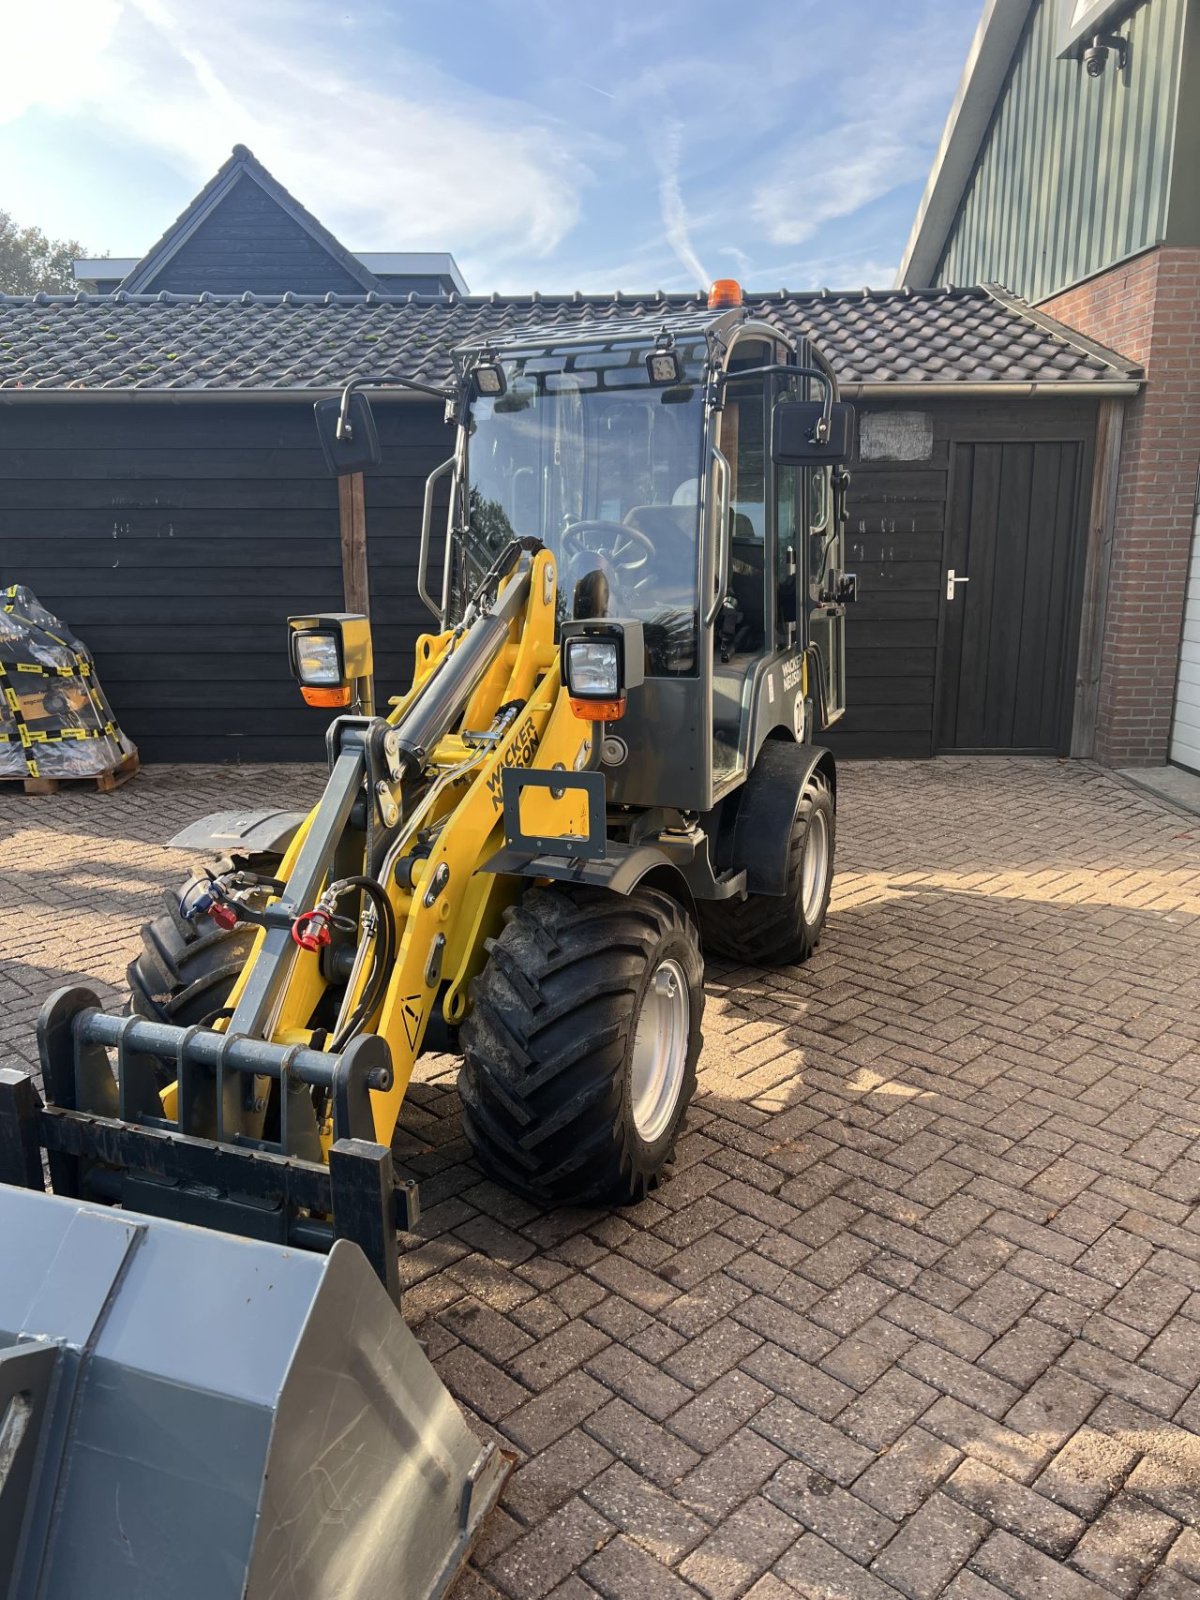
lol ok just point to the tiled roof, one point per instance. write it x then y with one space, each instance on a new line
195 343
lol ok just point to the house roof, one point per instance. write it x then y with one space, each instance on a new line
980 91
984 76
880 341
242 165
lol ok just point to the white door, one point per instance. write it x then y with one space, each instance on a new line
1185 730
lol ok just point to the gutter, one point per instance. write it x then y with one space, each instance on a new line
1100 389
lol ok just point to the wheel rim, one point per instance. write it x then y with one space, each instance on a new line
660 1050
816 866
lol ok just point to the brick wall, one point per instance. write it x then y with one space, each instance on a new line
1149 310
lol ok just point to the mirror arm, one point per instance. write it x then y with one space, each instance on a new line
821 432
344 427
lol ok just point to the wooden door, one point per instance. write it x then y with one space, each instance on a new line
1008 598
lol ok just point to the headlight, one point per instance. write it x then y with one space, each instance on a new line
593 668
318 660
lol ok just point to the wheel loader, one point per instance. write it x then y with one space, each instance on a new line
603 767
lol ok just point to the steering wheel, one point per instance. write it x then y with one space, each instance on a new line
622 541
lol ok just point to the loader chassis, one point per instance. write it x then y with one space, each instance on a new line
604 765
603 523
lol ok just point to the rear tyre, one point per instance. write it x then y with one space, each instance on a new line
767 930
580 1049
186 970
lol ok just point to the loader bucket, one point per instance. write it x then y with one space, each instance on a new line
187 1413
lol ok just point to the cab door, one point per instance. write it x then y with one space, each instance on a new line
824 508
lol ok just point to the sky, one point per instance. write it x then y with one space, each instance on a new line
548 144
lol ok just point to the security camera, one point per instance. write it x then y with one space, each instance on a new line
1095 57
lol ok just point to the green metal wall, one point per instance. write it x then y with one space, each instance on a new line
1074 172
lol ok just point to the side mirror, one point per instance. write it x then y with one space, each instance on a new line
358 447
794 428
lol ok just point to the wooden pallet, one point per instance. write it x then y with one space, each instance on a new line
105 781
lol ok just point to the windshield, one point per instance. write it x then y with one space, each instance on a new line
584 454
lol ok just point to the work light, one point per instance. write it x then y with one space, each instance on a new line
318 659
594 668
330 655
663 367
489 379
663 364
601 660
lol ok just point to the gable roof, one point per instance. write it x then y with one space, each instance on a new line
879 342
984 76
242 165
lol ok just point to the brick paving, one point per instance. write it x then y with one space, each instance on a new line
918 1313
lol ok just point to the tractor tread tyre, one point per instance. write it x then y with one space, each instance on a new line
547 1046
766 930
185 971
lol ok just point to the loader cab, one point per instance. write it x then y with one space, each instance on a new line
663 502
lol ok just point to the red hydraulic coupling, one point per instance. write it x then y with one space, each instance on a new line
223 915
311 930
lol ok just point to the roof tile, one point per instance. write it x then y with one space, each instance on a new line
229 343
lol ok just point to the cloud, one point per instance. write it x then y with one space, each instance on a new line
676 223
827 175
834 175
381 145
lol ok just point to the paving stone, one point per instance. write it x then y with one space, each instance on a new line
715 1415
978 1436
1087 1472
730 1474
1022 1354
819 1572
541 1364
554 1475
537 1562
1011 1505
866 1355
1053 1407
1122 1548
904 1477
748 1543
840 1517
1132 1381
660 1524
895 1401
644 1385
928 1551
952 1333
701 1360
644 1445
797 1380
963 1379
622 1568
540 1421
481 1384
820 1444
1026 1574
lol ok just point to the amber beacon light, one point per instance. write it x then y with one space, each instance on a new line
724 292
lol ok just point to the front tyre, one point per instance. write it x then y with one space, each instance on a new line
580 1050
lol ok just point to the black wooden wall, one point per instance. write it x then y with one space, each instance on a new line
176 538
249 242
